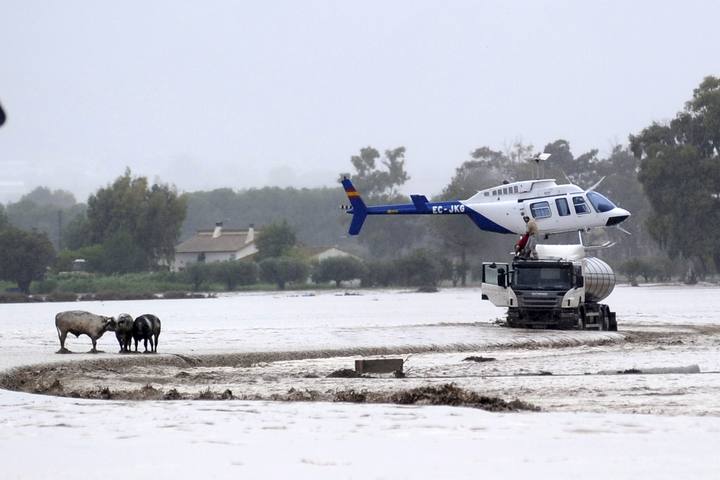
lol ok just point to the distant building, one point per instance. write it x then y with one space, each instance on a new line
321 253
217 245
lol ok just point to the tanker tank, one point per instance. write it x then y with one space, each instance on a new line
599 279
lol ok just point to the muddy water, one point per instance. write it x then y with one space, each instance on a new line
567 373
290 342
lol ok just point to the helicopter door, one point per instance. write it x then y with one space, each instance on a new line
495 282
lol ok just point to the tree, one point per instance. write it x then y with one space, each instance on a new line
234 273
374 181
197 274
379 273
44 197
337 269
378 182
150 215
24 257
275 240
283 270
4 223
419 269
45 211
459 234
680 173
120 254
311 212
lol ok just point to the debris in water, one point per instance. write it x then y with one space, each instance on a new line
480 359
344 373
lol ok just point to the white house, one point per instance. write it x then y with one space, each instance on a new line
322 253
217 245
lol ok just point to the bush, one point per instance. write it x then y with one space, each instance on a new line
283 270
337 269
419 269
45 286
648 268
379 274
234 273
197 274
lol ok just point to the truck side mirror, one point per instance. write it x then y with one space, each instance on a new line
501 277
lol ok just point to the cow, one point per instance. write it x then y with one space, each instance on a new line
79 323
147 327
124 331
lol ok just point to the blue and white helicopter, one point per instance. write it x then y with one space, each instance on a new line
555 208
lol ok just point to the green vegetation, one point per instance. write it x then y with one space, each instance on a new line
277 240
283 270
24 256
680 172
668 177
338 269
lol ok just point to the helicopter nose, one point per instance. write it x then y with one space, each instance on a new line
617 216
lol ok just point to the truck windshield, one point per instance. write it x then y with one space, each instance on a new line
542 278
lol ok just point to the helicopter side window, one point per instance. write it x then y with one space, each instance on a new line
494 193
504 190
515 189
487 194
580 205
562 207
540 210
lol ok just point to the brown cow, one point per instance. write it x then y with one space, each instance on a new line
79 323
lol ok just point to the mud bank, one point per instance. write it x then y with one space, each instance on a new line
564 374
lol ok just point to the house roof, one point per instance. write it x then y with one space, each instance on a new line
203 241
316 251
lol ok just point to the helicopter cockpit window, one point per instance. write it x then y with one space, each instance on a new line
540 209
580 205
600 202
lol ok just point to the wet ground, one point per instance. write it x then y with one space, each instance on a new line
252 349
572 371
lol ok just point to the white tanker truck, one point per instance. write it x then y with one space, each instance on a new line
559 290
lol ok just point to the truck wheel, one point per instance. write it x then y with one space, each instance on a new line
613 322
604 318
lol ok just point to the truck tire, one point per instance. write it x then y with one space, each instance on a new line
613 321
581 318
604 318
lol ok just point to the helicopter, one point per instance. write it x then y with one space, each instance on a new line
556 208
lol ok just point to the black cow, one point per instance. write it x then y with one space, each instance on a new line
146 327
124 332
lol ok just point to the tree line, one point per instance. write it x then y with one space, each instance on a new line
668 177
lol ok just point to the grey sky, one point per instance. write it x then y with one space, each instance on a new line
208 94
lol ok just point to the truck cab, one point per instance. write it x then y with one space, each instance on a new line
546 294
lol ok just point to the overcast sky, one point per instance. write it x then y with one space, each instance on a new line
207 94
